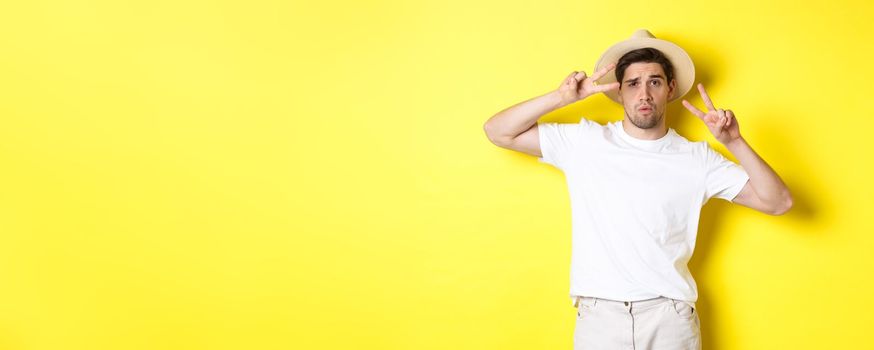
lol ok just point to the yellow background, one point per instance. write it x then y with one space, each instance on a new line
314 175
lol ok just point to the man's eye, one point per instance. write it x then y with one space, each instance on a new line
656 82
632 84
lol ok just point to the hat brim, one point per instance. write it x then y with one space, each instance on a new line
684 69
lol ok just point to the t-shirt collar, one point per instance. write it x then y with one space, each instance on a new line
640 142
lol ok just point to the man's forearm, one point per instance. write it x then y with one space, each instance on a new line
520 117
764 181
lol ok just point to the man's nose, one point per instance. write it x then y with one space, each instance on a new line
644 94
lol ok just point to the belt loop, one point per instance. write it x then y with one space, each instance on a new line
594 301
577 302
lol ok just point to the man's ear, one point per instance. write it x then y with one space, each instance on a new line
673 89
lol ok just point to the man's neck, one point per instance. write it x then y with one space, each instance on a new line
644 134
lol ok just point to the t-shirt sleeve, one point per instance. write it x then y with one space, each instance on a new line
558 140
723 178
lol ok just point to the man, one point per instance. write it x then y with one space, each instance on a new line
636 190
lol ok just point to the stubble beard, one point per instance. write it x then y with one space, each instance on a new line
644 122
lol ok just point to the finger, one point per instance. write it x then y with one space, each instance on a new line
730 116
722 118
601 72
608 87
580 76
570 78
697 112
707 101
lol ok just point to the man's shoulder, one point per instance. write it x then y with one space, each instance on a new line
591 123
588 128
680 138
681 142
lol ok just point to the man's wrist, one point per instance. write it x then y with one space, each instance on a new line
735 143
554 98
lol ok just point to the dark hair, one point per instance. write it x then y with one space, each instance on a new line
647 55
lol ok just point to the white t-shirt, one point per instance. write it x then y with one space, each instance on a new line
635 206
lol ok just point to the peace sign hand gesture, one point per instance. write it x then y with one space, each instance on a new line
721 123
577 86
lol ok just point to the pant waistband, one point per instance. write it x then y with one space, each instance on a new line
638 303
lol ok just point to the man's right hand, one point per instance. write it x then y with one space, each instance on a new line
578 86
516 127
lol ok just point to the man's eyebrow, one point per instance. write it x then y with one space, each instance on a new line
658 76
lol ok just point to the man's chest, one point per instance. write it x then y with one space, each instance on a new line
632 180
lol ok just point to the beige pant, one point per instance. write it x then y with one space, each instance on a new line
652 324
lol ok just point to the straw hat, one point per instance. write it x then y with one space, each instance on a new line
684 70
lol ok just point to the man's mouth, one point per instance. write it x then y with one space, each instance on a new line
645 108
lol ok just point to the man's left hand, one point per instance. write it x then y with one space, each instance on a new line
721 123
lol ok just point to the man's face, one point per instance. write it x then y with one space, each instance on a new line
644 93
